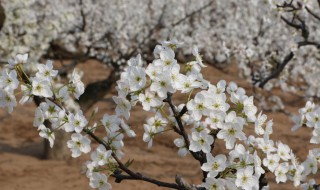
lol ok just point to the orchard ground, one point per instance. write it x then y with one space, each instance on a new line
21 148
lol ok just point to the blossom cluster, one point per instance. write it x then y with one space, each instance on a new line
309 116
209 113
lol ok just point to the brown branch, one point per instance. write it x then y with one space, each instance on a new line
131 175
200 156
301 26
119 177
309 43
278 70
312 13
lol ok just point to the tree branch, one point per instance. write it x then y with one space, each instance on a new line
278 70
301 26
309 43
312 13
200 156
131 175
117 174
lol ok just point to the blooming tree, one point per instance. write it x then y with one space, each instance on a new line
210 113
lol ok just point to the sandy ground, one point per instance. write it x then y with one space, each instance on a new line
21 149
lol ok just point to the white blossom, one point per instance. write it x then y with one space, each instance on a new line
79 144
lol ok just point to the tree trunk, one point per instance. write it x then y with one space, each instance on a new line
59 151
96 91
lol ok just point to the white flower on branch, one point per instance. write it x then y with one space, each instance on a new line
246 179
281 172
149 100
195 52
123 106
149 132
127 129
7 99
315 139
283 151
167 60
41 87
79 144
46 70
99 181
219 88
101 156
216 119
76 122
271 161
51 111
76 87
180 143
197 106
186 83
115 141
214 164
214 184
47 134
136 77
260 121
110 122
27 95
238 150
201 141
266 145
19 59
8 80
230 132
63 94
310 165
162 85
38 118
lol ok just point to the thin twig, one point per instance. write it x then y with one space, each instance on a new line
312 13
